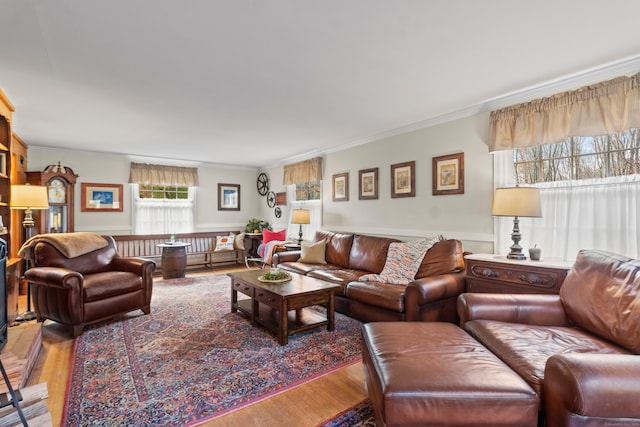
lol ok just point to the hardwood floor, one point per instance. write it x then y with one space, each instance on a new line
306 405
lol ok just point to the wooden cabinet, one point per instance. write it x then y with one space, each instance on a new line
60 182
493 273
6 113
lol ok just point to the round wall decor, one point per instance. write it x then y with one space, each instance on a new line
263 183
278 212
271 199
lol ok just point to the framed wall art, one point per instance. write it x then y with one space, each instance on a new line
101 197
448 174
368 184
341 187
403 179
228 197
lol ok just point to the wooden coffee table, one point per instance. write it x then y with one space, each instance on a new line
282 307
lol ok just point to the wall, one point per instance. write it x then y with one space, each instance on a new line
466 216
114 169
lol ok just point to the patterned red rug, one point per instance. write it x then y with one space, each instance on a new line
359 415
192 360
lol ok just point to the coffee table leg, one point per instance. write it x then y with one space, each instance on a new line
283 324
234 298
331 319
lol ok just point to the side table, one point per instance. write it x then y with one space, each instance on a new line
252 253
174 259
497 274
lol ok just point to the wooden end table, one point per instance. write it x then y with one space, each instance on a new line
282 307
174 259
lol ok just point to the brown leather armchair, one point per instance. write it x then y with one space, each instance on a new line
85 285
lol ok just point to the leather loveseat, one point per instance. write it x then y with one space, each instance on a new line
431 296
78 279
518 360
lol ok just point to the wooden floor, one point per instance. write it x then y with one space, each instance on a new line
306 405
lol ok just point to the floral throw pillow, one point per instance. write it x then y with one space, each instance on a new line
403 261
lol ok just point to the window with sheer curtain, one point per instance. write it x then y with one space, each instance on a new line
163 198
589 185
303 181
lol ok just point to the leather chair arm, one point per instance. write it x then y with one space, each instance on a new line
542 310
286 256
431 289
55 277
580 386
135 265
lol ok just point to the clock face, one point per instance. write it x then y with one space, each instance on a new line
57 192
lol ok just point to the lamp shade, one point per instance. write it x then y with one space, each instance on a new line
300 216
29 197
517 201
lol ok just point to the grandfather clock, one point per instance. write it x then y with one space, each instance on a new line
60 181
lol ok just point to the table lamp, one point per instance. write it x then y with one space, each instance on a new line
517 202
28 197
300 216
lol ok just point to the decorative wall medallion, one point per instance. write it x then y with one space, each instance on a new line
271 199
263 183
278 212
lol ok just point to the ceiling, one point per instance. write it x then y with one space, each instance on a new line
255 83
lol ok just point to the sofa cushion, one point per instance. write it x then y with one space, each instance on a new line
444 257
224 243
305 268
403 260
313 253
526 348
384 295
99 286
369 252
338 247
602 294
341 275
268 235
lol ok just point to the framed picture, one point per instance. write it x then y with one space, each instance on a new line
448 174
368 184
228 197
403 180
101 197
341 187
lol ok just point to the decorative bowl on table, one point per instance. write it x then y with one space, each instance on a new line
274 276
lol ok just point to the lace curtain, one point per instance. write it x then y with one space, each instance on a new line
163 216
600 109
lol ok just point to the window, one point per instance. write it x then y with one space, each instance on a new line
590 193
171 192
307 191
162 209
579 158
307 195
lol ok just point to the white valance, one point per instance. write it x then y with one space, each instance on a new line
147 174
600 109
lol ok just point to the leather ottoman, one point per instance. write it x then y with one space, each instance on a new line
435 374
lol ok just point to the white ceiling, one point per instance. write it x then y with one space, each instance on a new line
253 83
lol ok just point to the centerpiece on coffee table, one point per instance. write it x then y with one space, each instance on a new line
275 275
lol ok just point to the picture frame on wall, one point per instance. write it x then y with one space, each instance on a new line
341 187
228 197
368 184
403 179
97 197
448 174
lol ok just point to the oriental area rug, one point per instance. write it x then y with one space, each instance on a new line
359 415
192 360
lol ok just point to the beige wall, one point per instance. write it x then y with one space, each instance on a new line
466 217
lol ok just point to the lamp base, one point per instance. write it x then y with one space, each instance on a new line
516 255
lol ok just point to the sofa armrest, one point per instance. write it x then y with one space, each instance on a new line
583 386
431 290
137 265
285 256
538 309
55 277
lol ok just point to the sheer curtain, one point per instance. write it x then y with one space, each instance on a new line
162 216
601 213
315 216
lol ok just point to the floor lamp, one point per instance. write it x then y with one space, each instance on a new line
300 216
28 197
517 202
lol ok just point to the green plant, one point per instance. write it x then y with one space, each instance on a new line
256 224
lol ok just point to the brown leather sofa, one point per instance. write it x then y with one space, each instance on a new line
577 353
87 288
430 297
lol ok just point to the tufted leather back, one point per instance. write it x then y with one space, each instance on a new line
46 255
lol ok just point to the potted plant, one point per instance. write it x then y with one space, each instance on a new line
255 226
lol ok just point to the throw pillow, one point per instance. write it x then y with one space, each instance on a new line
403 261
313 253
224 243
268 235
238 241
